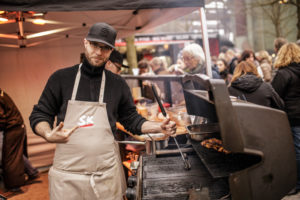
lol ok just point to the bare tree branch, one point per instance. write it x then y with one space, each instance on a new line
290 31
270 33
288 17
277 13
293 3
266 11
258 3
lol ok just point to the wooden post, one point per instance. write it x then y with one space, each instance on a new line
131 52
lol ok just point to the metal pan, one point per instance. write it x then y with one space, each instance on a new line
200 132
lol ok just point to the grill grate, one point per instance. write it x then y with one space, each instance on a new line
165 178
221 165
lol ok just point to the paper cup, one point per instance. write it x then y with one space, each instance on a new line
135 71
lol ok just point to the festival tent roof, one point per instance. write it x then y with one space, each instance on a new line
72 18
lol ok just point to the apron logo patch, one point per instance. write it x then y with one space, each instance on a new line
86 121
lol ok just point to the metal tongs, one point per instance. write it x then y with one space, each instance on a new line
187 164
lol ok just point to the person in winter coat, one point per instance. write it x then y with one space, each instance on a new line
246 84
249 56
231 59
224 72
265 62
194 60
287 84
115 62
278 43
14 153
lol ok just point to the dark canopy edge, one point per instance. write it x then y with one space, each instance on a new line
79 5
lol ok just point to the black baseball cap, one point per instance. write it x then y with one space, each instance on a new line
116 57
104 33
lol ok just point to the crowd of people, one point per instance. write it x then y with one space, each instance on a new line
256 77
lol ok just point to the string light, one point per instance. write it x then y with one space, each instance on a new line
283 1
38 14
39 21
3 19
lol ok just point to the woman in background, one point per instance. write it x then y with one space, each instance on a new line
249 56
158 66
246 84
265 62
287 84
143 66
224 71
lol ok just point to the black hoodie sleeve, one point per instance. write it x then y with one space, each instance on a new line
48 105
128 115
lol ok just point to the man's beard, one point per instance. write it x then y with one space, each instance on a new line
91 62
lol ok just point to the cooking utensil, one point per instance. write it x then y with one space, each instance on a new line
200 132
187 164
162 109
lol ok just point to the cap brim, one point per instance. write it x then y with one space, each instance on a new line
125 66
101 41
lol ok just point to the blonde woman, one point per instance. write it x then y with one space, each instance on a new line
287 84
158 66
265 62
246 84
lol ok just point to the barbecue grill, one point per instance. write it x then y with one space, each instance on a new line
261 164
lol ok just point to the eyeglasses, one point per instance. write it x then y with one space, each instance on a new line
98 46
187 58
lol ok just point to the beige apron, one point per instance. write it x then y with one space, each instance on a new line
88 166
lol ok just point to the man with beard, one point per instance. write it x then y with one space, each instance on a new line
115 62
87 100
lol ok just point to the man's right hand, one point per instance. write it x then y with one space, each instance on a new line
59 135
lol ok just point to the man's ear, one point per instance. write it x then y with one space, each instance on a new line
85 42
110 52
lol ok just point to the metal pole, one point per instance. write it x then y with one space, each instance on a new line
20 23
205 41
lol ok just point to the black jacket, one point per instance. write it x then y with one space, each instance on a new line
287 84
117 96
202 70
253 89
232 64
10 115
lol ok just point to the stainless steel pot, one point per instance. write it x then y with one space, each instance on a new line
200 132
162 144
